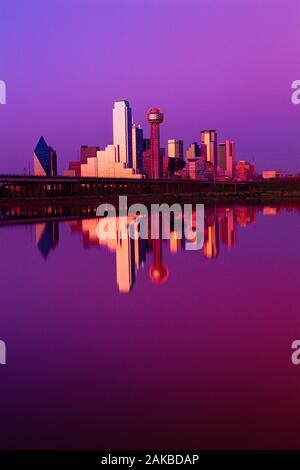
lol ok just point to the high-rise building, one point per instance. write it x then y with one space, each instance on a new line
137 148
88 152
198 169
244 171
227 157
83 168
146 144
175 149
45 159
115 161
155 118
122 132
222 156
73 170
209 148
193 151
175 154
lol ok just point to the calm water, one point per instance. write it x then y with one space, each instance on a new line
146 345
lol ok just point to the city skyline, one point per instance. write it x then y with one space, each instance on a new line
133 155
206 78
149 222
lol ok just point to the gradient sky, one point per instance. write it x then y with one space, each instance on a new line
224 64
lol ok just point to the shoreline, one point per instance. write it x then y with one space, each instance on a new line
72 208
214 197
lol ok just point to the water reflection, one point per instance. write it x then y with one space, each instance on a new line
196 351
220 229
47 237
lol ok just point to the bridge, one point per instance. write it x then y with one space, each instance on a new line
16 187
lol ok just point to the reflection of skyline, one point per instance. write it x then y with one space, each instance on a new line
47 237
220 229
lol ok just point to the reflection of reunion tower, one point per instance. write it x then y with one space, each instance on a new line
158 271
155 118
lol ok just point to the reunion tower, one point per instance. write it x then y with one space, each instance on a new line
155 118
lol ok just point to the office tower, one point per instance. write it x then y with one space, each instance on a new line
198 169
74 168
122 132
137 148
146 144
45 159
88 152
175 149
244 171
193 151
155 118
115 161
222 156
227 157
209 149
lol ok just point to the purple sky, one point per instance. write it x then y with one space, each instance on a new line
224 64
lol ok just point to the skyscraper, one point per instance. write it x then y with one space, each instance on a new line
115 161
244 171
222 156
45 159
193 151
155 118
146 144
175 149
122 132
209 148
137 148
88 152
227 157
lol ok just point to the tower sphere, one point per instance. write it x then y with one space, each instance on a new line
154 115
159 274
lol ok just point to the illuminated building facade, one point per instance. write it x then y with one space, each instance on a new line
115 161
122 132
209 149
199 169
227 157
270 174
137 148
244 171
88 152
155 118
45 159
193 151
175 149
